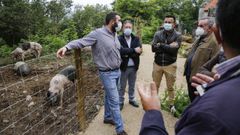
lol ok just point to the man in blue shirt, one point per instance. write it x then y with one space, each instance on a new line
106 55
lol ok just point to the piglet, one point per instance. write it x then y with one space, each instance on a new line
22 68
32 47
17 54
57 83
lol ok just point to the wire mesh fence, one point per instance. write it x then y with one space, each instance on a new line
25 110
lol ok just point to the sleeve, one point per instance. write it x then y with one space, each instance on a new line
215 48
153 124
88 40
172 50
126 51
200 123
155 46
138 44
207 67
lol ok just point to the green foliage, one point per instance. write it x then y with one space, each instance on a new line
89 18
181 101
183 50
50 43
14 24
69 33
45 20
151 11
148 31
5 50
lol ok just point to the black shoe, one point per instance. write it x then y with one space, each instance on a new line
134 103
121 106
122 133
109 122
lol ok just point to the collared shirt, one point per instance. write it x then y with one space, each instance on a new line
105 48
130 61
227 65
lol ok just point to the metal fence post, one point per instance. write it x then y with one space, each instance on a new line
80 91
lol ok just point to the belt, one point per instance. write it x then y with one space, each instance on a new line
107 70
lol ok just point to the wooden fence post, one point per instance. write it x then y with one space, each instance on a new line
80 91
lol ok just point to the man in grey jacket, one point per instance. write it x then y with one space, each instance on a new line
106 55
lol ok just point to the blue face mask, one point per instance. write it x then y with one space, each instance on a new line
127 31
167 26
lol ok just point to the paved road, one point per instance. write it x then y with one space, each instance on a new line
132 116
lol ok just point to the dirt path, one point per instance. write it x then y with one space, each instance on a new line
132 116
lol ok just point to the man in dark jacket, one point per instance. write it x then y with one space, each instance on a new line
216 111
130 51
166 43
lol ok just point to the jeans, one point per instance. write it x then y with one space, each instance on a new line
129 75
110 81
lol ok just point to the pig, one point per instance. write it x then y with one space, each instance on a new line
57 83
17 54
22 68
32 48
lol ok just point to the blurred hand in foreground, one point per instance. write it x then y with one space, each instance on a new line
149 97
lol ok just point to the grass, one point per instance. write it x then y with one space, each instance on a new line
181 101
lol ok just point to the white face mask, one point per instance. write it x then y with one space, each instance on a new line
167 26
199 32
127 31
119 27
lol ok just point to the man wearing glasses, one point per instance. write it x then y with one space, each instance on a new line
203 49
166 43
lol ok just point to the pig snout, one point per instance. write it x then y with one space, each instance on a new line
52 98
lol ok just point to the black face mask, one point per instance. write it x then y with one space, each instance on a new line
114 27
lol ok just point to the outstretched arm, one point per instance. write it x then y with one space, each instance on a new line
88 40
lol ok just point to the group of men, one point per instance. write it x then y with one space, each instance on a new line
117 59
214 94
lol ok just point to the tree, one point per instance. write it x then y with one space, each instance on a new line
56 11
14 20
38 16
89 18
152 12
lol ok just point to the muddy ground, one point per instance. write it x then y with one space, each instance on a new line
23 105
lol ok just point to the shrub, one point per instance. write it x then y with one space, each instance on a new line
181 101
50 43
5 50
184 49
147 34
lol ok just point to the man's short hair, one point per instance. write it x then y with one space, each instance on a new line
228 19
211 21
109 17
127 21
171 16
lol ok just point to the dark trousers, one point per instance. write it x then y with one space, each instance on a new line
191 89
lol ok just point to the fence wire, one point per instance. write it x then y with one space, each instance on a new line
25 108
